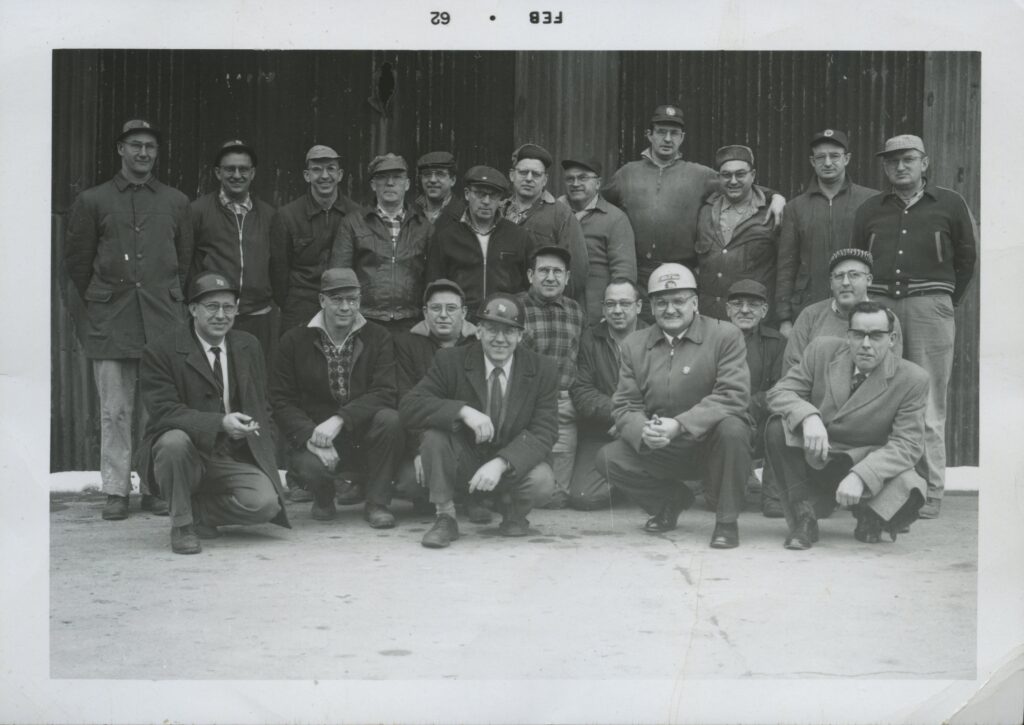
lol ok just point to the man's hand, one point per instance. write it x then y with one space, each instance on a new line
816 437
488 475
785 328
850 490
325 433
480 424
417 466
775 210
659 432
327 454
239 425
613 431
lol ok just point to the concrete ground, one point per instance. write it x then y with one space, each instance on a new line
587 595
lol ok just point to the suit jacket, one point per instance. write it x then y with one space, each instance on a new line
880 427
456 378
179 392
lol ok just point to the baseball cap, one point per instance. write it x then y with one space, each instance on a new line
670 277
504 309
138 125
234 146
321 152
532 151
831 135
338 278
443 285
734 152
486 176
903 142
590 164
206 282
668 114
748 288
387 162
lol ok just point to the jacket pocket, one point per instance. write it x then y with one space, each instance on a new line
98 292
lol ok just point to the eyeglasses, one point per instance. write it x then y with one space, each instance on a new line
618 304
494 330
738 175
435 174
438 309
854 276
319 170
212 308
232 170
582 178
669 132
822 158
875 335
550 271
390 178
135 147
340 300
530 174
906 160
748 304
663 303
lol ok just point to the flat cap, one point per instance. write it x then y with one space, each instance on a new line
321 152
436 160
486 176
591 164
206 283
903 142
734 152
668 114
338 278
387 162
748 288
841 255
443 285
831 135
138 125
235 145
670 277
532 151
503 308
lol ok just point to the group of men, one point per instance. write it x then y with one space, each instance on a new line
503 349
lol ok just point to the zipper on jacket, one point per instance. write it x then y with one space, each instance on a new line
240 223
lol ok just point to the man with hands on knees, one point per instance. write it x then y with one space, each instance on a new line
488 413
209 442
849 419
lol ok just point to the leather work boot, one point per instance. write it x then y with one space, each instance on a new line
116 508
805 531
444 531
477 513
184 540
348 492
154 505
869 525
378 516
299 495
725 536
323 504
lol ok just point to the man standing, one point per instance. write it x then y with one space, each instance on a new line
436 171
747 307
490 415
597 376
387 248
210 439
302 237
127 252
733 239
662 194
849 274
554 324
923 240
549 222
611 248
483 253
333 389
850 422
232 237
817 224
680 410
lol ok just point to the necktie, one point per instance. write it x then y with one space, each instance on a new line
218 371
858 378
496 399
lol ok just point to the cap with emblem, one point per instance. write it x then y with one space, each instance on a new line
504 309
903 142
387 162
321 152
138 125
338 278
832 136
532 151
443 285
208 282
670 277
734 152
841 255
590 164
748 288
486 176
234 146
668 114
436 160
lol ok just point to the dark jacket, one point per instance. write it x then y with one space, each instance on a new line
455 254
456 378
813 227
390 272
301 392
414 352
301 240
765 348
127 252
597 376
241 255
452 212
179 393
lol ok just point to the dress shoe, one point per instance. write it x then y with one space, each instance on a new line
184 540
324 510
869 525
771 508
116 508
668 517
378 516
348 492
422 507
299 495
514 526
805 533
725 536
477 513
444 531
930 510
154 504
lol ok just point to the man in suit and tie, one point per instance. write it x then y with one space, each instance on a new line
209 442
849 420
489 416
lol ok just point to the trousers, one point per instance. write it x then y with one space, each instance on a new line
117 388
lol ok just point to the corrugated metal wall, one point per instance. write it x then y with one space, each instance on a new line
480 105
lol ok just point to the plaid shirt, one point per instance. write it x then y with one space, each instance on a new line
238 208
554 328
393 223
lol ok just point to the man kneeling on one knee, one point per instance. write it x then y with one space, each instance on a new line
210 440
849 421
488 412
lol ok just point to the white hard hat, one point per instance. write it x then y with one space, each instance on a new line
670 276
